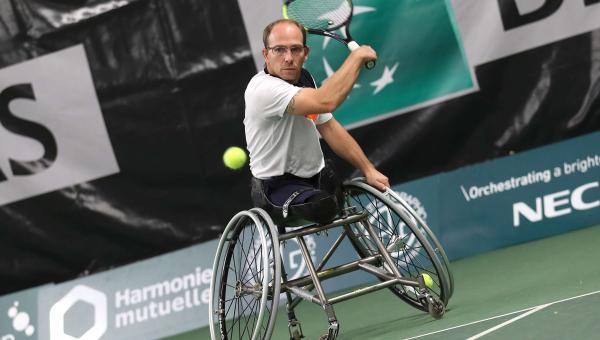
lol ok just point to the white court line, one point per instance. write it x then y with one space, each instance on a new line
477 336
503 315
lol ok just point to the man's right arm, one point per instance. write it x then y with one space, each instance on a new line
335 90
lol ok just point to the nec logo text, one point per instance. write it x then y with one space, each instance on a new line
557 204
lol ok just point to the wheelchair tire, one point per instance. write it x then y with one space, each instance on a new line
410 242
246 279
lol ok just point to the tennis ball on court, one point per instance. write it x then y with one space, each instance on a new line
234 157
428 280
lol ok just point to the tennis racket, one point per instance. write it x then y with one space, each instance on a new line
323 17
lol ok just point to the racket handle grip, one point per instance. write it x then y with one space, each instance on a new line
352 45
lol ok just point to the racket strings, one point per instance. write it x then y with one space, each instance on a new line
320 14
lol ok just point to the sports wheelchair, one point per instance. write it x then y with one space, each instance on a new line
393 243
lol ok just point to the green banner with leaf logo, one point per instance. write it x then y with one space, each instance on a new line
420 58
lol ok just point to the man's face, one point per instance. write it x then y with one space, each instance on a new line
285 54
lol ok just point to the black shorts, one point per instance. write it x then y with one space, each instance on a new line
279 189
317 199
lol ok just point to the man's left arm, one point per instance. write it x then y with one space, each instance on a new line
342 143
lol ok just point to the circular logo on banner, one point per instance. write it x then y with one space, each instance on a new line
21 321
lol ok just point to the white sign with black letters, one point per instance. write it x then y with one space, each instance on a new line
52 132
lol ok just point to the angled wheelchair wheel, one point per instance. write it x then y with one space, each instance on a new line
418 222
409 241
246 279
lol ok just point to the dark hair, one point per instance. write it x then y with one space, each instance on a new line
269 28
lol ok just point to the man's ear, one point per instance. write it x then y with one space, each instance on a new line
307 52
264 53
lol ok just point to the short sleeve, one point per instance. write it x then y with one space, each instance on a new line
323 118
270 96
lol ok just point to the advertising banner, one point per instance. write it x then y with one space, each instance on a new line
19 315
115 114
53 130
539 193
151 299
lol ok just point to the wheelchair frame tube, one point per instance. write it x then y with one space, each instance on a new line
329 273
311 270
330 252
313 229
363 291
296 301
324 261
382 250
303 294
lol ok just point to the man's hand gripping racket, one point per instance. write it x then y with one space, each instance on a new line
323 17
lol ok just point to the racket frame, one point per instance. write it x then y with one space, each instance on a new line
348 41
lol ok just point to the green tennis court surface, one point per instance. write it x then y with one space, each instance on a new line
547 289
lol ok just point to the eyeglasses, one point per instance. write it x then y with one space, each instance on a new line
280 51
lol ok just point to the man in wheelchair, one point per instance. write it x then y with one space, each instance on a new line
285 113
293 184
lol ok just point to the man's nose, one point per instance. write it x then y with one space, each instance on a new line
288 55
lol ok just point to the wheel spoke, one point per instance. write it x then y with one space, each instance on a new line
241 286
406 249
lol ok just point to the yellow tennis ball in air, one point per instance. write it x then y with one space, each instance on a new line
428 280
234 157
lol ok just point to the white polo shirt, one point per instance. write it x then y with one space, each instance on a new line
278 142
